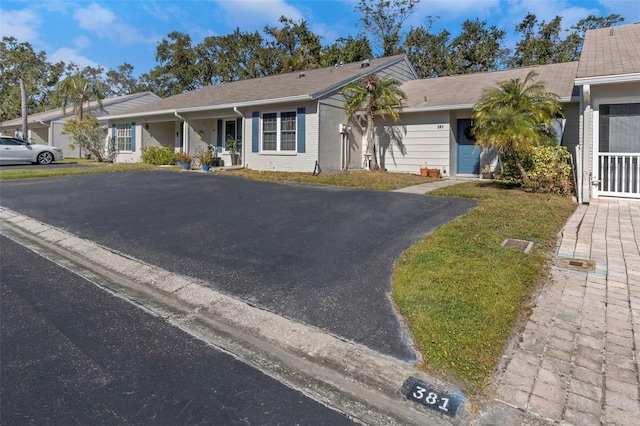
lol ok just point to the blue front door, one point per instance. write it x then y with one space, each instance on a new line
468 155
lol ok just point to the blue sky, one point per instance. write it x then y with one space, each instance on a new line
110 32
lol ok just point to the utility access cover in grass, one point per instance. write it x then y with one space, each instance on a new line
521 245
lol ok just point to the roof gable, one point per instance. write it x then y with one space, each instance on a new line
610 51
114 103
309 84
463 91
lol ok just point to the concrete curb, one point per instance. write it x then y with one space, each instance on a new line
343 375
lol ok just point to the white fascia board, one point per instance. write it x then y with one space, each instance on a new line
464 106
437 108
136 115
245 104
608 79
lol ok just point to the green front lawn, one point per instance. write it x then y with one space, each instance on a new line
462 293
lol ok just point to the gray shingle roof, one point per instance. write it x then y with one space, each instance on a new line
462 91
56 114
610 51
310 83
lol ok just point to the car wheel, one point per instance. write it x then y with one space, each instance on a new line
45 157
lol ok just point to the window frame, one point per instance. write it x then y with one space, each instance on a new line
122 138
279 132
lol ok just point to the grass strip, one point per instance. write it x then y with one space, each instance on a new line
461 293
90 168
380 181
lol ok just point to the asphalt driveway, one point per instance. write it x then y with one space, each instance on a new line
321 255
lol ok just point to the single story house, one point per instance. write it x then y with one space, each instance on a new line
435 125
46 127
297 121
291 122
609 80
288 122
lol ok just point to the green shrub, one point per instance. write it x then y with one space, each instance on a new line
158 155
550 170
547 167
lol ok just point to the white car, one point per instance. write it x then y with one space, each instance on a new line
14 150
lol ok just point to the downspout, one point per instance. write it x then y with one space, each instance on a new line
185 135
586 143
244 147
49 132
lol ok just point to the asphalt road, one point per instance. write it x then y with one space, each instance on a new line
321 255
74 354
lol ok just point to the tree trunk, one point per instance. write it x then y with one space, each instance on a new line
523 172
371 143
24 104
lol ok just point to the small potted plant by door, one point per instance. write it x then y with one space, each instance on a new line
233 146
424 170
486 172
433 173
185 160
206 160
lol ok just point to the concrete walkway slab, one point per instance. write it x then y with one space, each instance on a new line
576 362
426 187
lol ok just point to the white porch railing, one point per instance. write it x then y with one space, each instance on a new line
619 175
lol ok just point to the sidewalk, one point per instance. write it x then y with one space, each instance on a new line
577 360
423 188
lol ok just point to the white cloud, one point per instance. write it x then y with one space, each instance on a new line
458 7
570 14
105 24
628 9
67 55
81 42
21 24
94 17
254 14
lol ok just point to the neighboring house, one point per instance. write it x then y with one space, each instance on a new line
609 78
435 125
295 121
292 121
289 122
46 127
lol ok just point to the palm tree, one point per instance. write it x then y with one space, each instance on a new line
515 116
376 95
78 89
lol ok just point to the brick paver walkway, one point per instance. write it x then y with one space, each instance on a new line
577 359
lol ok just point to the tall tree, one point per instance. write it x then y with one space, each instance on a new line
515 116
429 53
296 47
121 80
375 95
540 43
231 57
25 79
383 19
177 71
478 48
80 88
346 50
